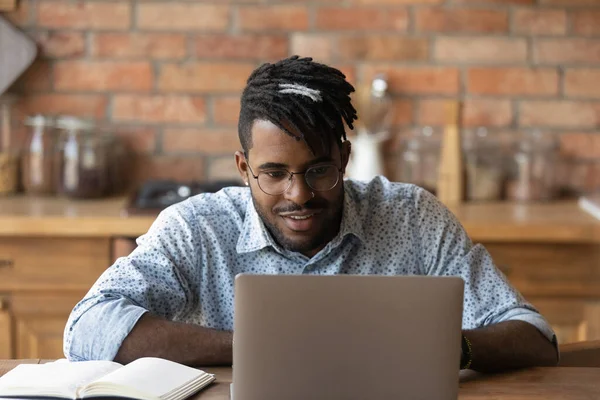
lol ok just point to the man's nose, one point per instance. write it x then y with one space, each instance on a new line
299 191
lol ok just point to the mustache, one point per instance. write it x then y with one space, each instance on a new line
310 205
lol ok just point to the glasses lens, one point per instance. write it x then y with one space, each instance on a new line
274 181
322 178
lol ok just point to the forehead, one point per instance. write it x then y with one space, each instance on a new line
270 143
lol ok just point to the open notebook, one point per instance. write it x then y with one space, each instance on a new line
145 379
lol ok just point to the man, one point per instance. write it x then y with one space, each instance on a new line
173 296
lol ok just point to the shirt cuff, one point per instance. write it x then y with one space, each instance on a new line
100 331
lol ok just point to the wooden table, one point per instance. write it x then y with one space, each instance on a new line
529 384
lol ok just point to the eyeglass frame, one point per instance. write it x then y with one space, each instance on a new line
291 178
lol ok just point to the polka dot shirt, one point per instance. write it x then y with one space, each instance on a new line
184 267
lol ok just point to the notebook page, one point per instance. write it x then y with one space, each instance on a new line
154 377
61 378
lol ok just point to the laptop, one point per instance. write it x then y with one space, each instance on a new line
346 337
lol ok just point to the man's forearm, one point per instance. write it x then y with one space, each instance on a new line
183 343
509 345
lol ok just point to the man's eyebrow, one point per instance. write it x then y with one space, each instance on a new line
274 165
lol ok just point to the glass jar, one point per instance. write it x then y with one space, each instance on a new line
82 162
420 159
484 166
533 168
9 156
38 158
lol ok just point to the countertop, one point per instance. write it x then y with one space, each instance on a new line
559 222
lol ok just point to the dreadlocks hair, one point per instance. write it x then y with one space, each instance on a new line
307 100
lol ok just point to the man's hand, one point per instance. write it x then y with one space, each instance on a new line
183 343
510 345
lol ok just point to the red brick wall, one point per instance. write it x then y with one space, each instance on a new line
167 74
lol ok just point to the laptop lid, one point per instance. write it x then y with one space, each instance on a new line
346 337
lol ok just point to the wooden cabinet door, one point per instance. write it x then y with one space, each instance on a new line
40 321
6 334
572 320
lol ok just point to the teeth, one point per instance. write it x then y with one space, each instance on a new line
299 217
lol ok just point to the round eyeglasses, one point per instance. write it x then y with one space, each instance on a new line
319 178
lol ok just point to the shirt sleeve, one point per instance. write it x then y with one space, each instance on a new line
446 249
160 276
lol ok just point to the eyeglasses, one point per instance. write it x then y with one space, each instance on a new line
319 178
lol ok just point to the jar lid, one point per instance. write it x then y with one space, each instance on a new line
74 124
39 120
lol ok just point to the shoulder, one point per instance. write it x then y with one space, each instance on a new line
381 196
380 191
226 206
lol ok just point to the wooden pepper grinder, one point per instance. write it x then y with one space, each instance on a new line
450 175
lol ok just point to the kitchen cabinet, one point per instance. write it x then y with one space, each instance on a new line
41 280
52 250
561 279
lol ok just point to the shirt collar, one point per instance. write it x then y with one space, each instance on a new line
255 236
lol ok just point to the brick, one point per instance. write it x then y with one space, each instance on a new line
140 45
103 76
177 16
562 51
180 168
159 108
37 78
570 3
248 47
432 112
534 21
421 80
586 23
580 145
207 77
438 19
481 50
202 140
317 46
499 2
560 114
387 48
513 81
223 168
84 15
487 112
137 139
61 44
20 17
359 18
80 105
582 83
226 110
403 112
275 17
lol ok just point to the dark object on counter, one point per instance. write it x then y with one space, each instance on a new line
156 195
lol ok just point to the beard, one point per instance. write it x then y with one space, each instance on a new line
330 216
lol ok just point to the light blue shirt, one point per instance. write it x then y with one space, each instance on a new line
184 267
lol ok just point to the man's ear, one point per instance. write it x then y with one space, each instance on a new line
242 166
345 152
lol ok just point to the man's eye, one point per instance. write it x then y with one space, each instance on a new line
320 170
276 174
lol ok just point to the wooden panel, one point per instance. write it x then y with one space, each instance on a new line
40 321
567 317
571 270
47 263
6 335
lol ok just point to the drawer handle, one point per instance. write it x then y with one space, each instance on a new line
6 263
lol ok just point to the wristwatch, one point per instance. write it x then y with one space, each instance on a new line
467 353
